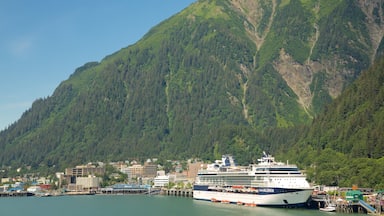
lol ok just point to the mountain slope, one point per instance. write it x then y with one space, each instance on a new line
345 145
208 80
355 123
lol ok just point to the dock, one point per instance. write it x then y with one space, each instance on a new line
360 207
16 194
124 191
355 206
177 192
129 189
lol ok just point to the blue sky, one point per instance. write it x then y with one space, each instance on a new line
42 42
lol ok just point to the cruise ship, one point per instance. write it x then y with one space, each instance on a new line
267 183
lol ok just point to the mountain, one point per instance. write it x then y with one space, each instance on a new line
344 145
207 81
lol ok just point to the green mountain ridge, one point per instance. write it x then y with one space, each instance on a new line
212 79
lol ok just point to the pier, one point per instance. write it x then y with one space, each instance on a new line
16 194
353 205
124 191
129 189
360 207
177 192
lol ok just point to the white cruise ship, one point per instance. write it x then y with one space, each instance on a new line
268 183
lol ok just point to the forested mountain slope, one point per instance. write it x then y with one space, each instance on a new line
206 81
345 144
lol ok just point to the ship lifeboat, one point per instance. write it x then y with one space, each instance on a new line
214 200
225 201
239 203
250 204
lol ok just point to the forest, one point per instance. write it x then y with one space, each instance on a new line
344 145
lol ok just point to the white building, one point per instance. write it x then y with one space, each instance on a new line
34 189
161 181
6 180
4 188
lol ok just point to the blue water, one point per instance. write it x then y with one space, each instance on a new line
126 205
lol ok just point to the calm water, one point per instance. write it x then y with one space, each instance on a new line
125 205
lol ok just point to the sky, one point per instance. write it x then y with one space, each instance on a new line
42 42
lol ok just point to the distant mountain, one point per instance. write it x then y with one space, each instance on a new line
207 81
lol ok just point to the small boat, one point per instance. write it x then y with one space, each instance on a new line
329 206
328 209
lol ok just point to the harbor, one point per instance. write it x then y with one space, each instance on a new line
266 184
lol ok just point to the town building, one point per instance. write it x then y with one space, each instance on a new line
161 181
84 170
5 180
88 183
139 171
34 189
4 188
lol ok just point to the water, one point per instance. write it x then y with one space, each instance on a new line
127 205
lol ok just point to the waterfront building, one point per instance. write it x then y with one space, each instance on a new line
137 170
34 189
73 174
84 170
4 188
73 187
161 181
5 180
88 183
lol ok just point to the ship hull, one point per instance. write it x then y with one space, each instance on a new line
294 198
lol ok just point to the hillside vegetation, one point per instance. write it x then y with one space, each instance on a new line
345 145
